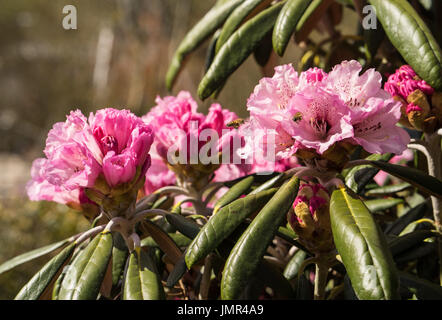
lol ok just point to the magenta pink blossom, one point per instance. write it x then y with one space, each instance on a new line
113 144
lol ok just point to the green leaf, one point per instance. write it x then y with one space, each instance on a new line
179 239
165 242
358 177
200 32
186 226
259 178
31 255
177 272
42 282
394 188
412 38
85 274
273 182
408 241
411 215
414 176
423 289
377 205
142 281
425 249
363 248
234 193
286 23
223 223
119 257
235 20
239 46
273 278
292 268
251 246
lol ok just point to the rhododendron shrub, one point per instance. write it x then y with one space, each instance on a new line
329 188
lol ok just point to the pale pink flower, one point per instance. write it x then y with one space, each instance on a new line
321 119
158 175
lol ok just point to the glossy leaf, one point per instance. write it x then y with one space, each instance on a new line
142 281
85 274
363 248
234 193
411 215
423 289
223 223
250 248
41 283
179 239
119 257
273 182
394 188
293 266
377 205
213 19
412 38
186 226
413 176
31 255
165 242
408 241
238 16
358 177
286 23
239 46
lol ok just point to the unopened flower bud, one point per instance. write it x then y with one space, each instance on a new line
310 218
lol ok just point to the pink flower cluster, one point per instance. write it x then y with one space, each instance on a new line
109 149
315 110
171 120
404 82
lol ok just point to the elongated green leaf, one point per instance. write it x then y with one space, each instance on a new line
425 249
423 289
119 257
404 243
165 242
177 272
258 177
222 224
251 246
411 215
273 278
142 281
412 38
239 46
358 177
179 239
377 205
42 281
363 248
234 193
235 20
186 226
414 176
31 255
286 23
85 275
292 268
200 32
273 182
394 188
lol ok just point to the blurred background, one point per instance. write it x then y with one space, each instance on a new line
118 58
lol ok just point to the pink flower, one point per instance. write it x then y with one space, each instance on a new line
181 130
113 144
158 175
321 119
317 110
404 81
